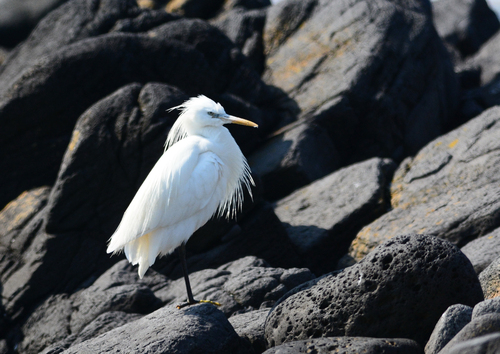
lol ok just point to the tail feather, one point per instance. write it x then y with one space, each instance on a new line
142 251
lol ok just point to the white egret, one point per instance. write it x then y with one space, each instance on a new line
201 172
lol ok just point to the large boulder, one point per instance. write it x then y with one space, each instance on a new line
449 189
323 218
196 329
357 67
399 290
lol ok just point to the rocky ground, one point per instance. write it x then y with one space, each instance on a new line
375 223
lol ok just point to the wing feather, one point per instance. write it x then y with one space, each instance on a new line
185 181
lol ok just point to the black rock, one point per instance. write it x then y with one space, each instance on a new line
348 345
323 218
483 250
490 279
18 18
444 190
250 325
464 25
450 323
296 156
488 344
486 307
80 314
244 28
359 67
478 327
194 329
399 290
243 285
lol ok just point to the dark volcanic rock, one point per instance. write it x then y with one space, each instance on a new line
296 156
486 307
397 291
465 25
246 284
348 345
478 327
80 315
358 67
194 329
449 189
490 279
244 28
450 323
250 325
260 233
323 218
485 68
488 344
18 18
483 250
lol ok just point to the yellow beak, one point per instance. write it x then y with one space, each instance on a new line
241 121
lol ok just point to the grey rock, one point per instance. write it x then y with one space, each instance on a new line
323 218
348 345
465 25
483 250
242 285
244 28
81 314
398 291
449 189
259 233
490 281
357 67
484 66
195 329
297 155
18 18
486 307
478 327
488 344
250 325
450 323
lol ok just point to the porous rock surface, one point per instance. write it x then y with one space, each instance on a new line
387 294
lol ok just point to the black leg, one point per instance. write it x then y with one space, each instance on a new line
182 255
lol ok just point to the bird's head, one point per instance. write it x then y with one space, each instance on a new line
204 112
200 113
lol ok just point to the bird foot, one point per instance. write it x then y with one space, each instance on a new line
194 302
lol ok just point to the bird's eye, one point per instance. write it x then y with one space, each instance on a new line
212 114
